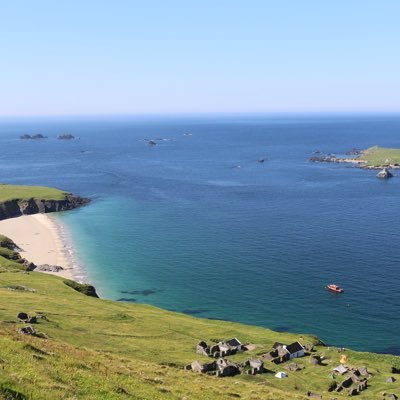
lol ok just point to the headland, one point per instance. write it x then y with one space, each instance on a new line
372 158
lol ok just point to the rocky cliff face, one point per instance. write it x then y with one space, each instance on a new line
15 208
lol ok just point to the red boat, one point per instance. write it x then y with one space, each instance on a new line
335 288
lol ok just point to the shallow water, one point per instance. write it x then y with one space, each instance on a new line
181 226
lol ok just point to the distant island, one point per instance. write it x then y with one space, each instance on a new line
373 158
38 136
33 137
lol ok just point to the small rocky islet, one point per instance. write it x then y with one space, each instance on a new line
374 158
39 136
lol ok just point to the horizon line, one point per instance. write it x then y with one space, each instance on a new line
204 113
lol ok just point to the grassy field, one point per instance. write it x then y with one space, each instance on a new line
380 156
100 349
13 192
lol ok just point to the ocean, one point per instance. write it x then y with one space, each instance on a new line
197 224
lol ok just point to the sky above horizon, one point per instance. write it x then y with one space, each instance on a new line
135 57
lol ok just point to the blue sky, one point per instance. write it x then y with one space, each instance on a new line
175 56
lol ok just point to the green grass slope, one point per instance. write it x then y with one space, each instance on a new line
101 349
379 156
15 192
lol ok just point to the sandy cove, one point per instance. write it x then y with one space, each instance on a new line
39 238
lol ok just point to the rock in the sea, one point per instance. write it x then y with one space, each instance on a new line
384 174
353 152
66 136
49 268
34 137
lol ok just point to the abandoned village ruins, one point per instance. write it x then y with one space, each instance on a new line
349 380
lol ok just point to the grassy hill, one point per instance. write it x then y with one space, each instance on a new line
14 192
379 156
100 349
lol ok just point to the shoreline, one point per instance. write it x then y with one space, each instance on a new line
43 240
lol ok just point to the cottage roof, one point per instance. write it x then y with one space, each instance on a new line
363 371
196 365
294 347
341 369
282 351
224 347
308 347
210 366
224 362
254 363
234 342
270 355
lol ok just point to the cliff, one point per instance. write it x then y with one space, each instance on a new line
17 207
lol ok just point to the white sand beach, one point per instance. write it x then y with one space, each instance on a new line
39 238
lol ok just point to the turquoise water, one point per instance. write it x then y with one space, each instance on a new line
180 226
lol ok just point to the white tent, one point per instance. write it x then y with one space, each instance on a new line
281 375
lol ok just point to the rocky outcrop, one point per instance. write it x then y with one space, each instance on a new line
8 243
16 207
33 137
384 174
49 268
66 136
83 288
29 266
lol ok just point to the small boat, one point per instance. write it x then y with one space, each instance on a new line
335 288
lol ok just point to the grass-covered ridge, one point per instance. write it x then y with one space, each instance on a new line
101 349
16 192
380 156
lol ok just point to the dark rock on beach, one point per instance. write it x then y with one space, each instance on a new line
29 266
48 268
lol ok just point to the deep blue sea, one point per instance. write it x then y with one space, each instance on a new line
179 225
